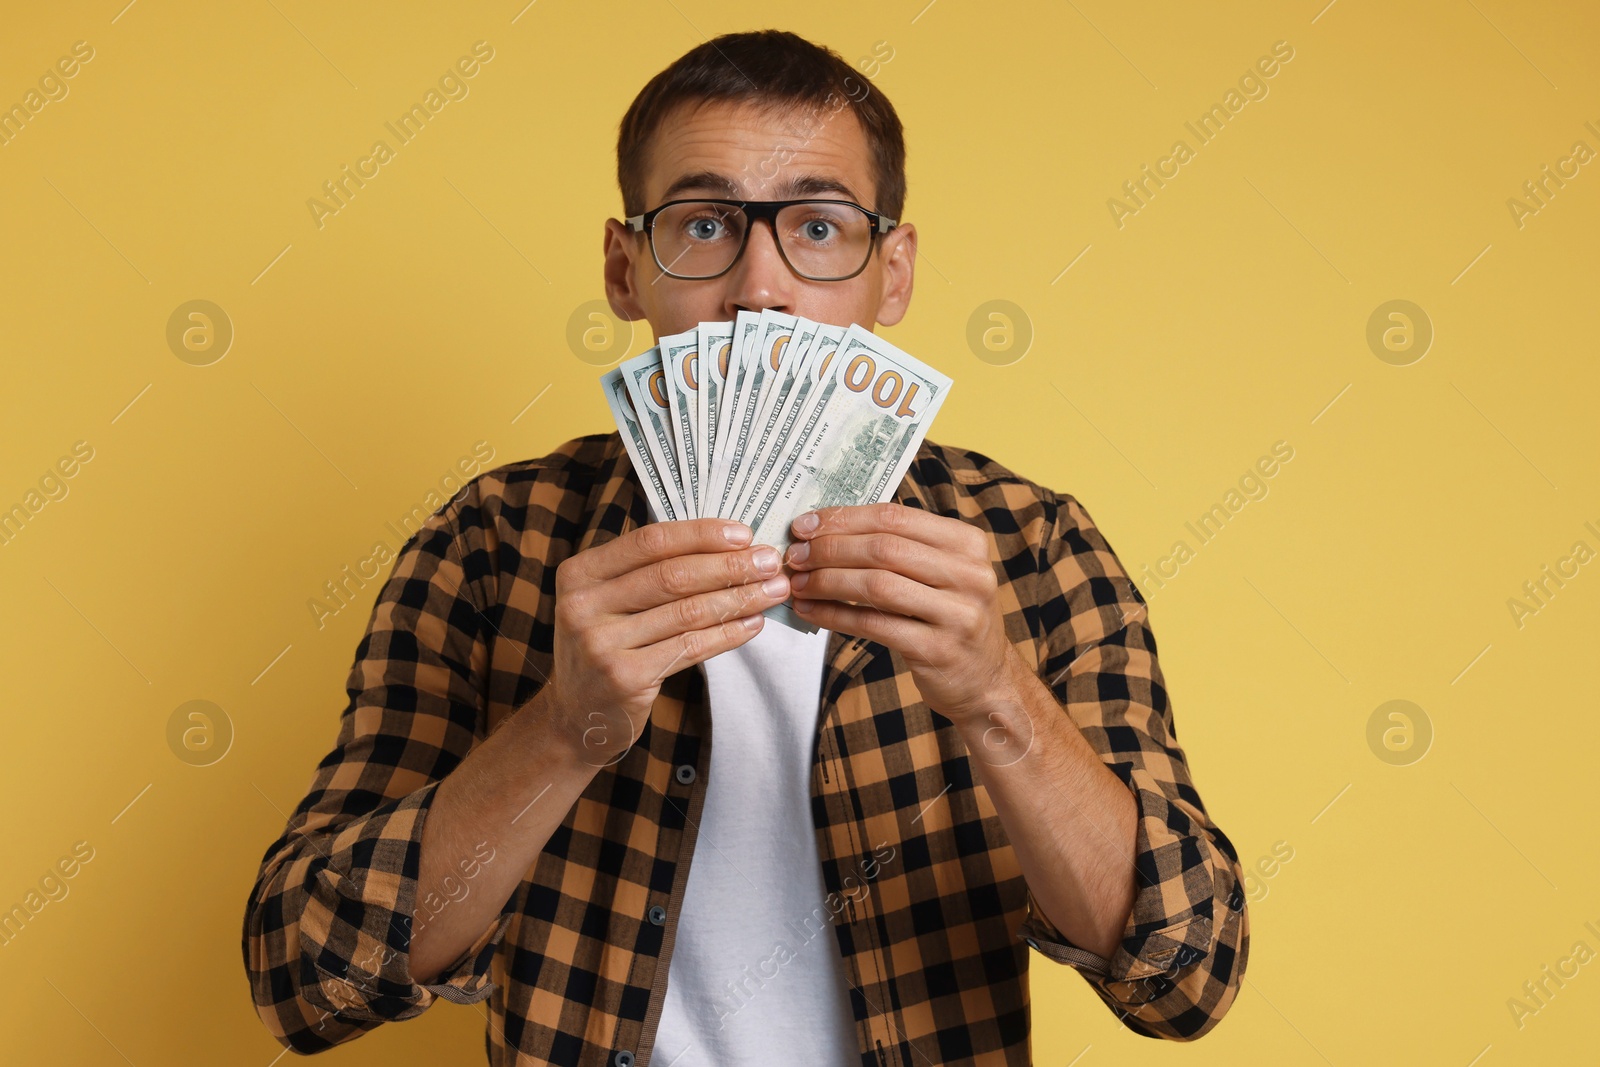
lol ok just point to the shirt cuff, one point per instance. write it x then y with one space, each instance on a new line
355 932
466 979
1170 927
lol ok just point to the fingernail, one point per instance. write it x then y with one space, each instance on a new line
751 622
775 586
736 533
766 559
799 581
806 523
802 606
799 551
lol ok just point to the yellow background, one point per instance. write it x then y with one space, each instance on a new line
1228 314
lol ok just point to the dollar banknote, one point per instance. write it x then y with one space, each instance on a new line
769 416
735 398
650 473
680 362
645 381
858 435
716 342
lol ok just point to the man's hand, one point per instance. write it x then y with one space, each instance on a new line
656 600
628 613
919 583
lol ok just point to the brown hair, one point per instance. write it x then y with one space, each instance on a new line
774 70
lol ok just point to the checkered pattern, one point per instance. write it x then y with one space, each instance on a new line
933 918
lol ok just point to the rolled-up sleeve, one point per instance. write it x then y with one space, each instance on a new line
1182 955
328 924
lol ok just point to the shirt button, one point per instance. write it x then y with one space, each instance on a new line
658 915
685 773
623 1058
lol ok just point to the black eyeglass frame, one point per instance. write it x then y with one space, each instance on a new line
755 211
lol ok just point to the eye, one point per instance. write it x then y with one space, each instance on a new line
704 228
818 229
706 223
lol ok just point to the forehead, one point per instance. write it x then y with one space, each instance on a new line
745 152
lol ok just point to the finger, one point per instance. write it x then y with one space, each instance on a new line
657 541
701 611
686 649
940 531
885 551
884 590
888 629
683 576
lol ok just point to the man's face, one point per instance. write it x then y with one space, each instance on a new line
733 151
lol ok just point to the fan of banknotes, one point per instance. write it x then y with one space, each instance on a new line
770 416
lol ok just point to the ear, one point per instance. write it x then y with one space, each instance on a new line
898 261
622 245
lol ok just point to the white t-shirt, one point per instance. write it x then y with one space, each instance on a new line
756 975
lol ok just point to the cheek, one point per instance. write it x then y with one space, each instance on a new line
674 306
842 303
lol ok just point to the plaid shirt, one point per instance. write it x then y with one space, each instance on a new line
926 899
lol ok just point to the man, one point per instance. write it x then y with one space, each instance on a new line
974 756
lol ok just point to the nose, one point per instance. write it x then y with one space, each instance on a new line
761 279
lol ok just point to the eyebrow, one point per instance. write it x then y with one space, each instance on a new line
804 185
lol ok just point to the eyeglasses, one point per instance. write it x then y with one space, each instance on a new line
820 240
